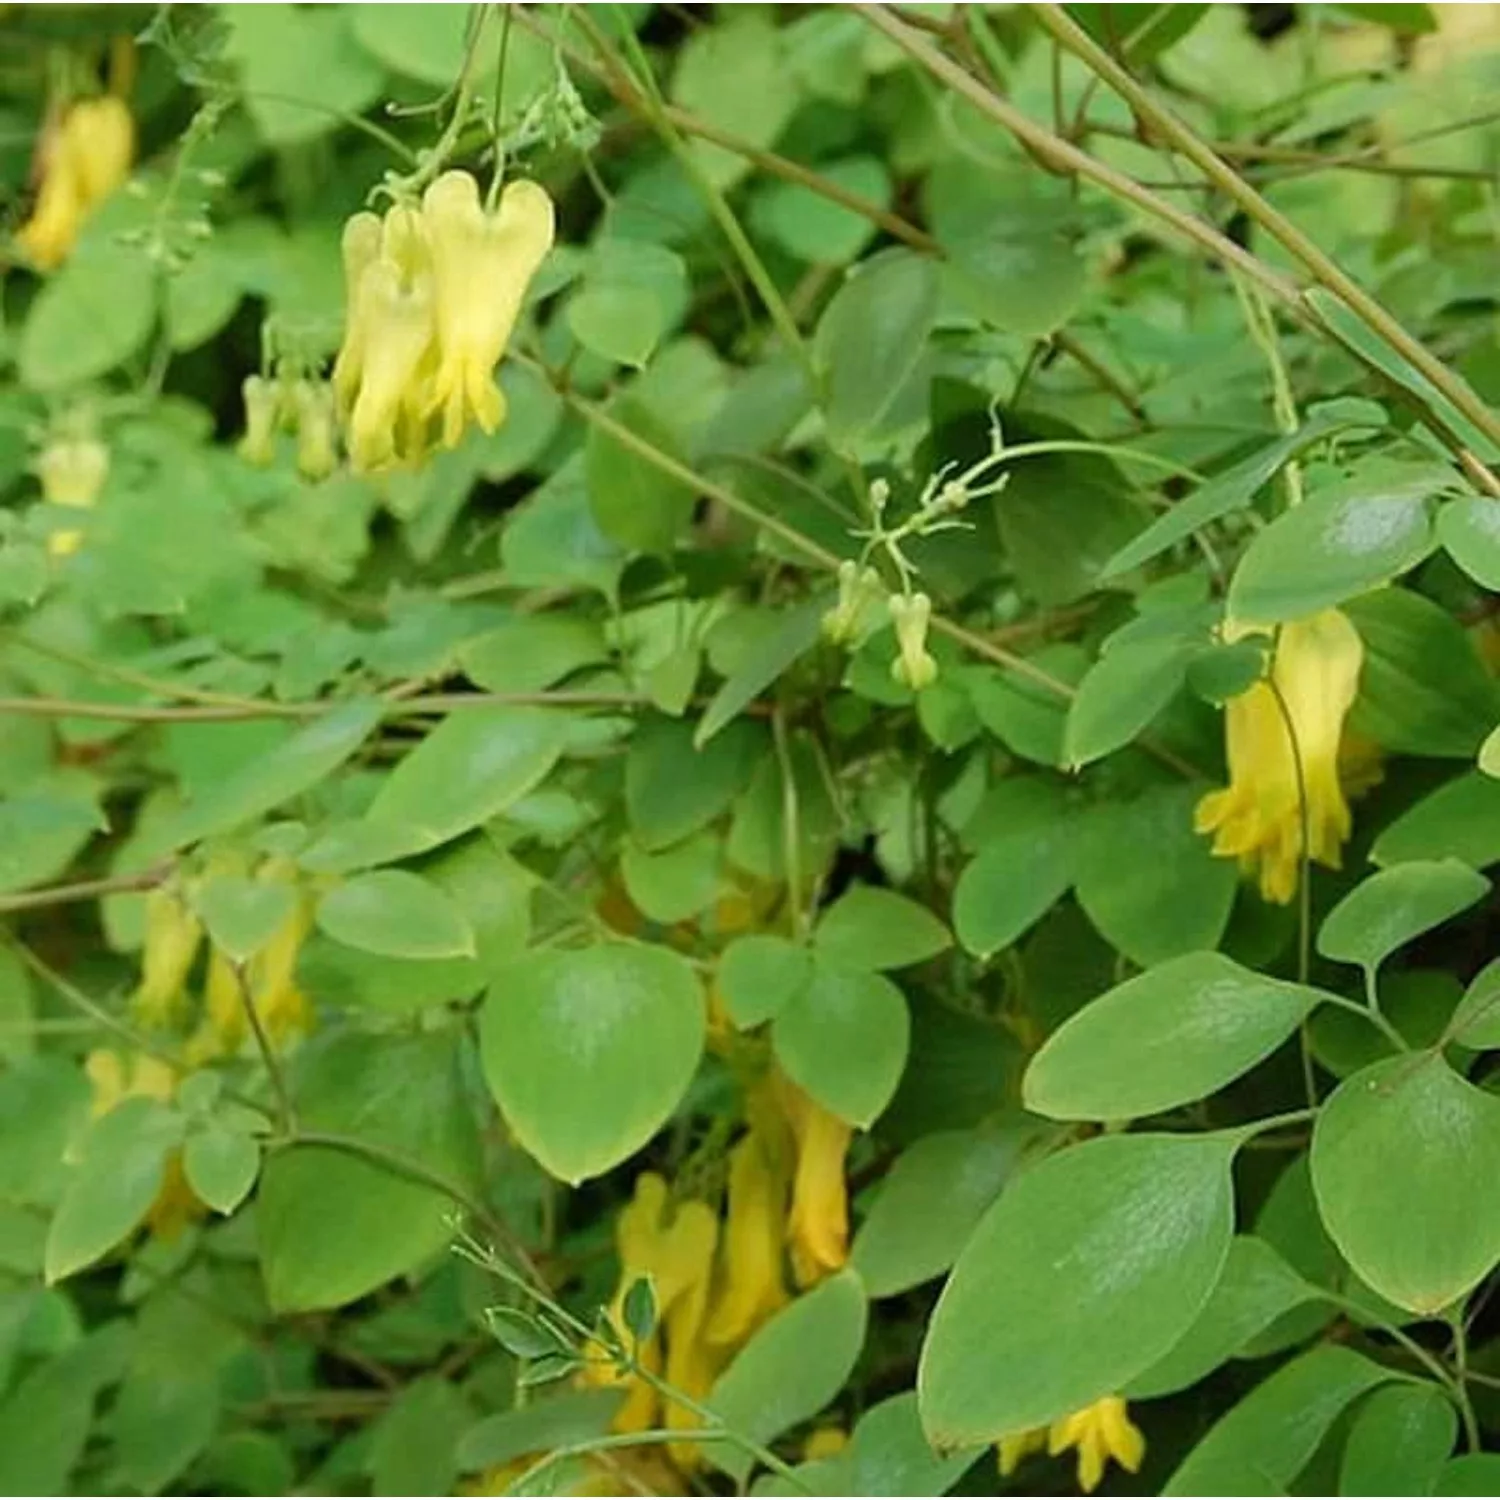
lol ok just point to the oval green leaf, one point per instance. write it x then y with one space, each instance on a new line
872 928
1404 1158
1175 1034
1395 905
589 1051
398 915
1061 1298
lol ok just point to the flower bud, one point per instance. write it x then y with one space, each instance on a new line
317 453
914 666
262 413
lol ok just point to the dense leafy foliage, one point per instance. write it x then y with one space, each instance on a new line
749 748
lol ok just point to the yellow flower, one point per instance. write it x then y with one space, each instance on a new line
361 249
482 264
262 399
753 1285
1099 1432
817 1228
914 666
388 345
84 159
860 590
279 1001
824 1442
114 1078
317 452
1258 818
675 1250
173 934
72 471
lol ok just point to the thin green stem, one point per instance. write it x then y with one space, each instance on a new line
1374 1017
84 890
791 825
285 1116
1461 1381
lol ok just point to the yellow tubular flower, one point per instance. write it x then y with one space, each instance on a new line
72 472
361 249
1019 1446
262 400
754 1287
173 934
279 1002
113 1079
817 1228
1099 1432
1258 819
691 1365
482 265
317 454
914 665
400 312
83 160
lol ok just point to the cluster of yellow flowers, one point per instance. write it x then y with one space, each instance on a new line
432 295
1099 1432
72 470
83 157
174 937
1285 737
715 1283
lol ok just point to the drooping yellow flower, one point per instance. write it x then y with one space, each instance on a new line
1257 819
1099 1432
391 328
84 158
173 934
262 398
482 264
824 1442
914 665
279 1001
817 1229
753 1284
317 450
361 249
72 471
675 1250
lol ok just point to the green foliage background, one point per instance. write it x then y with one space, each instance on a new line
548 731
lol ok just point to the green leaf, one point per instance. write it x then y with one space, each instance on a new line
242 915
1402 1154
936 1192
1476 1022
632 291
555 1422
791 1369
335 1223
675 883
412 1450
123 1162
1234 488
1460 820
812 226
1120 695
1256 1289
1469 1474
766 662
93 315
1469 528
289 57
1489 754
1395 905
44 1425
1259 1446
1399 1441
295 766
673 788
589 1052
531 652
1171 1036
1345 540
1025 279
1059 1298
397 914
477 763
869 340
635 502
553 540
734 75
221 1166
1021 872
1150 884
869 927
1423 690
844 1037
1026 715
759 974
41 832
